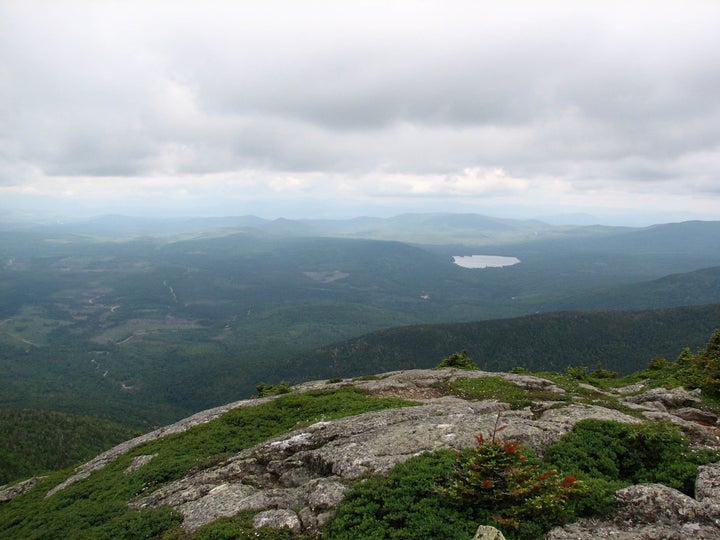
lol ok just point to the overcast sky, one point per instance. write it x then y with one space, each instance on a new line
325 109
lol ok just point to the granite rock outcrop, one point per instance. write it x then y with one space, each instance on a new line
297 480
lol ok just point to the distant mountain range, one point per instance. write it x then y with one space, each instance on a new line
417 228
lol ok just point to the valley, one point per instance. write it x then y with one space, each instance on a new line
144 322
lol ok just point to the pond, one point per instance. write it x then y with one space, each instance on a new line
484 261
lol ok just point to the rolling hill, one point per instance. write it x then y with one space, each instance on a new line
622 341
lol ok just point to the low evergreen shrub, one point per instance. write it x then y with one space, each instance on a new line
602 373
579 373
460 360
623 454
406 504
239 527
264 389
447 494
505 478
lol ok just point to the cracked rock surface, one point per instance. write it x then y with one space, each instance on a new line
297 480
305 471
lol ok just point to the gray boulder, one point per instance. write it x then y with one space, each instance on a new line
692 414
670 399
278 519
486 532
9 492
646 512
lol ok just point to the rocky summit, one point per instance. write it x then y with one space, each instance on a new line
296 480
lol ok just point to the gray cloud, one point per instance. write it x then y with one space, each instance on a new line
590 94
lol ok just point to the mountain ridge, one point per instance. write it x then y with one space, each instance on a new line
290 483
618 340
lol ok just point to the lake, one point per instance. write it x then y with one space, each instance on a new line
484 261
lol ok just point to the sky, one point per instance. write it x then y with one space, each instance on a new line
607 110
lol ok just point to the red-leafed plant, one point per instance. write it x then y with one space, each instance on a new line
503 477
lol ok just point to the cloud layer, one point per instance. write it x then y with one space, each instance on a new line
538 104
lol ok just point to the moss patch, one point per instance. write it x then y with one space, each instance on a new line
502 390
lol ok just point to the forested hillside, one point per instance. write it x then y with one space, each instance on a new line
690 288
620 341
36 441
146 321
411 454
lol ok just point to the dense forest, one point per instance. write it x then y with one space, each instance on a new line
36 441
619 341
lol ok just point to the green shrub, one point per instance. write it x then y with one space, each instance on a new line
601 373
264 390
629 454
240 527
701 370
404 504
447 494
504 478
658 363
704 369
459 360
579 373
501 390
